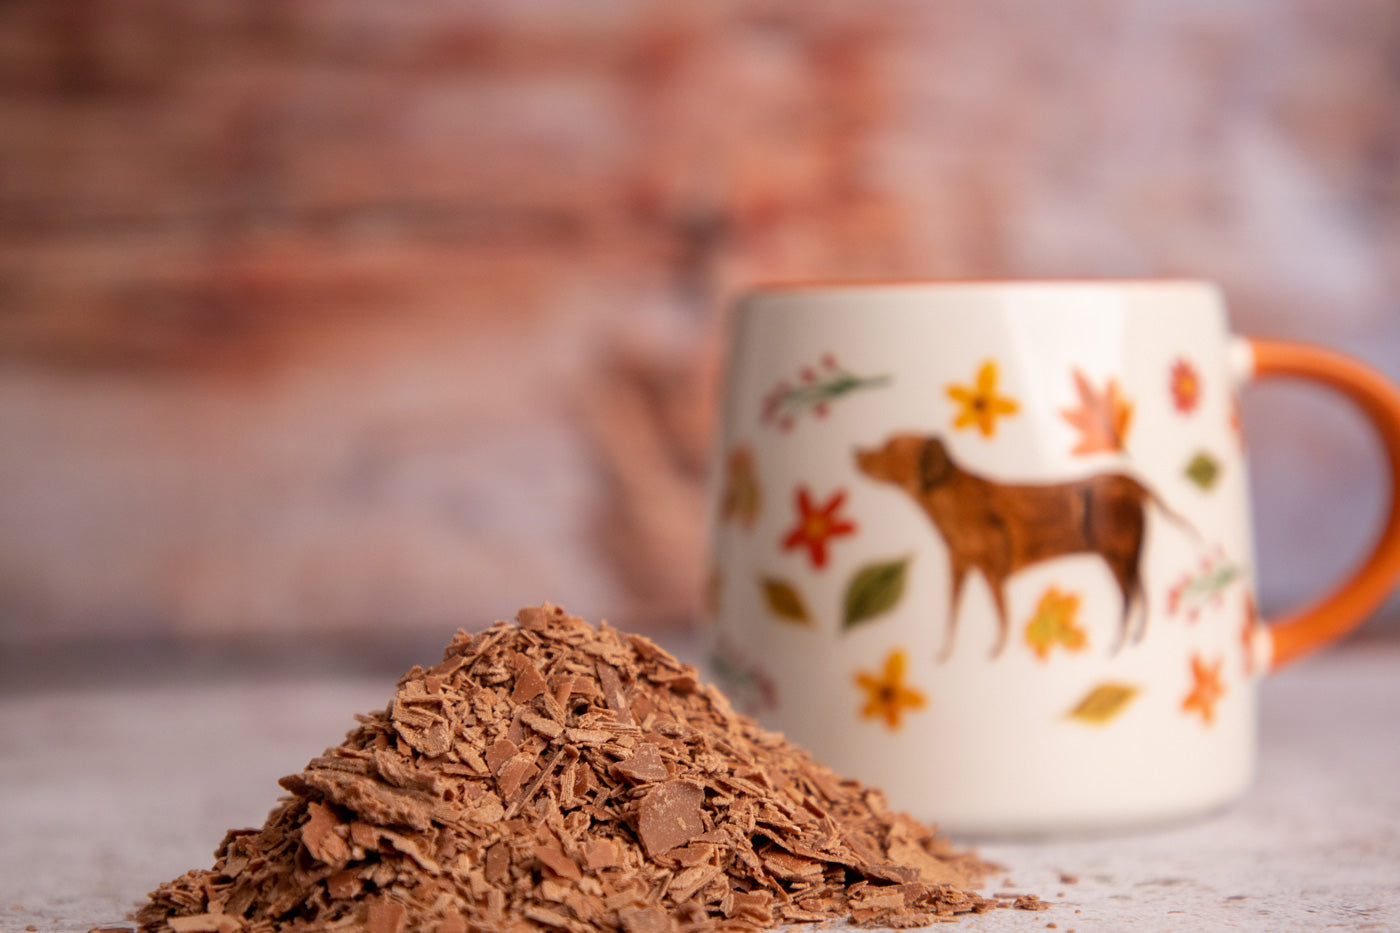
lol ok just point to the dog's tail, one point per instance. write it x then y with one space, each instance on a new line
1176 517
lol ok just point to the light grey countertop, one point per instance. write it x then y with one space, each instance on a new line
107 791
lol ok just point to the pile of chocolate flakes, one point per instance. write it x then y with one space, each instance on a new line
549 774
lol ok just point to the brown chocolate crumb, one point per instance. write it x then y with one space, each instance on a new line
552 775
1067 878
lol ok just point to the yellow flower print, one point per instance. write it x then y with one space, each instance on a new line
1055 623
980 404
886 696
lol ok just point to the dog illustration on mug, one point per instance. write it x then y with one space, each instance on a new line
1001 528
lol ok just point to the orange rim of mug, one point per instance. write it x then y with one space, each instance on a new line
803 285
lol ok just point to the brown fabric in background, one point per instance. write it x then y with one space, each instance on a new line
315 316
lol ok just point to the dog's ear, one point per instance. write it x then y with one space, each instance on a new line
934 464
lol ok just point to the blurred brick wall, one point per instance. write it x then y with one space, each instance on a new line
327 316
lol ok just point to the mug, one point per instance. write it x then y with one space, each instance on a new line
988 545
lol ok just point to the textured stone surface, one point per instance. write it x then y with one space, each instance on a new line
85 775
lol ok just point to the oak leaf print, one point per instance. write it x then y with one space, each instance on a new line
1104 703
1102 417
742 497
1056 622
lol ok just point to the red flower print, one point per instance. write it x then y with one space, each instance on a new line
1186 386
815 526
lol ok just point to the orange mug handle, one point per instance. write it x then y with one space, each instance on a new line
1348 605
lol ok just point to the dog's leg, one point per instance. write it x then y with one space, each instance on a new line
998 585
959 575
1140 598
1125 570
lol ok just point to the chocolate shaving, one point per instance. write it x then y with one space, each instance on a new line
669 816
528 684
644 765
613 694
552 775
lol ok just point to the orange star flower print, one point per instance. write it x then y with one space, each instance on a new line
1206 689
979 405
887 696
816 526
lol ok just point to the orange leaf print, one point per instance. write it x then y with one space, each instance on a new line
1102 418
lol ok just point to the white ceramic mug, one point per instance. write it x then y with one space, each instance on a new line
987 545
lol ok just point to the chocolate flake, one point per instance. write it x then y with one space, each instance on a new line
602 853
613 694
553 775
647 920
556 861
645 765
385 916
498 753
528 684
669 816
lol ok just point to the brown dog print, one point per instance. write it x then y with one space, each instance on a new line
1000 528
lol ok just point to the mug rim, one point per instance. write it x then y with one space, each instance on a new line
799 286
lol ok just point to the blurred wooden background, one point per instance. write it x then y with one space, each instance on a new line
335 316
